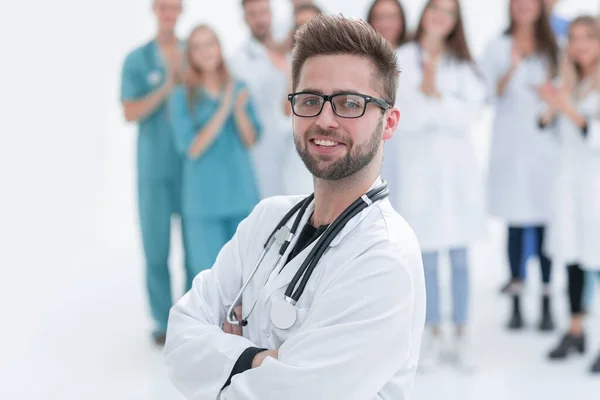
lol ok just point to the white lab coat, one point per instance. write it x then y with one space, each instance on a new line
522 156
266 84
574 230
360 318
437 179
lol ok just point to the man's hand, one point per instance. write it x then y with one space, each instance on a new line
234 329
260 357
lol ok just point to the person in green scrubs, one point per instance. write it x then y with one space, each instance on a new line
215 125
149 74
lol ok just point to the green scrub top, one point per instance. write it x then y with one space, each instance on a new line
143 73
221 181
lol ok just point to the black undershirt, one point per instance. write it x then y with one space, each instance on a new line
308 235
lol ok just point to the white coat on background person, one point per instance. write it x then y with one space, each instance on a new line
297 179
345 315
252 65
523 157
437 180
574 230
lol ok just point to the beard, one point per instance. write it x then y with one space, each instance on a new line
355 159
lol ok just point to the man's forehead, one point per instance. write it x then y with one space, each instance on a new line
334 73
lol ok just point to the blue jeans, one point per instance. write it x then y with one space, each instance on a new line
460 286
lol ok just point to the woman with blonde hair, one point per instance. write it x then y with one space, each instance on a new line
214 124
574 113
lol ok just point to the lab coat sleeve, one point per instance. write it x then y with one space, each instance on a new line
132 87
593 135
415 113
454 113
198 354
356 336
490 66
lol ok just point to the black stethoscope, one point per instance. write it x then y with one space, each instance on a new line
283 312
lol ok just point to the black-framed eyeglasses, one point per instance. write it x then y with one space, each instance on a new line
344 105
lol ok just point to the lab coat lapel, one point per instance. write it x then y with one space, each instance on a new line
353 223
282 277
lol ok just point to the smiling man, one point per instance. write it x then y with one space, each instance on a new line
339 313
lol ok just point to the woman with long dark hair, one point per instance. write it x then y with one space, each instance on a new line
389 19
574 112
437 184
214 125
522 156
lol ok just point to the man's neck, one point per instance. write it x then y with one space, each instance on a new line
166 38
333 197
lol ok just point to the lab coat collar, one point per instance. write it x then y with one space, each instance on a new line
349 226
353 223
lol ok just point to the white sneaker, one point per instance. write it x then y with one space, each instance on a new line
462 355
431 351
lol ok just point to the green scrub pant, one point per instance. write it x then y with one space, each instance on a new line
204 239
158 201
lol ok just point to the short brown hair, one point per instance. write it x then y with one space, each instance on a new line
336 35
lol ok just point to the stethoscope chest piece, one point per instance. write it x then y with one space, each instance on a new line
283 314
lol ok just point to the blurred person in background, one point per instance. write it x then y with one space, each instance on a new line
574 111
214 125
522 156
440 191
559 26
388 18
264 68
148 76
297 179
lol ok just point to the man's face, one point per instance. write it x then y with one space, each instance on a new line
333 147
257 15
167 13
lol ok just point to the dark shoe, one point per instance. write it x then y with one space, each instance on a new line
568 344
159 339
596 366
516 321
546 324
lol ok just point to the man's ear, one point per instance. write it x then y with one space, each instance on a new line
391 123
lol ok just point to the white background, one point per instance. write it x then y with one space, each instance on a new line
72 302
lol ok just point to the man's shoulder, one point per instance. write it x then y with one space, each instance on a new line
137 56
398 231
272 207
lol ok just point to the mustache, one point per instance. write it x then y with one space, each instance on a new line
335 136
